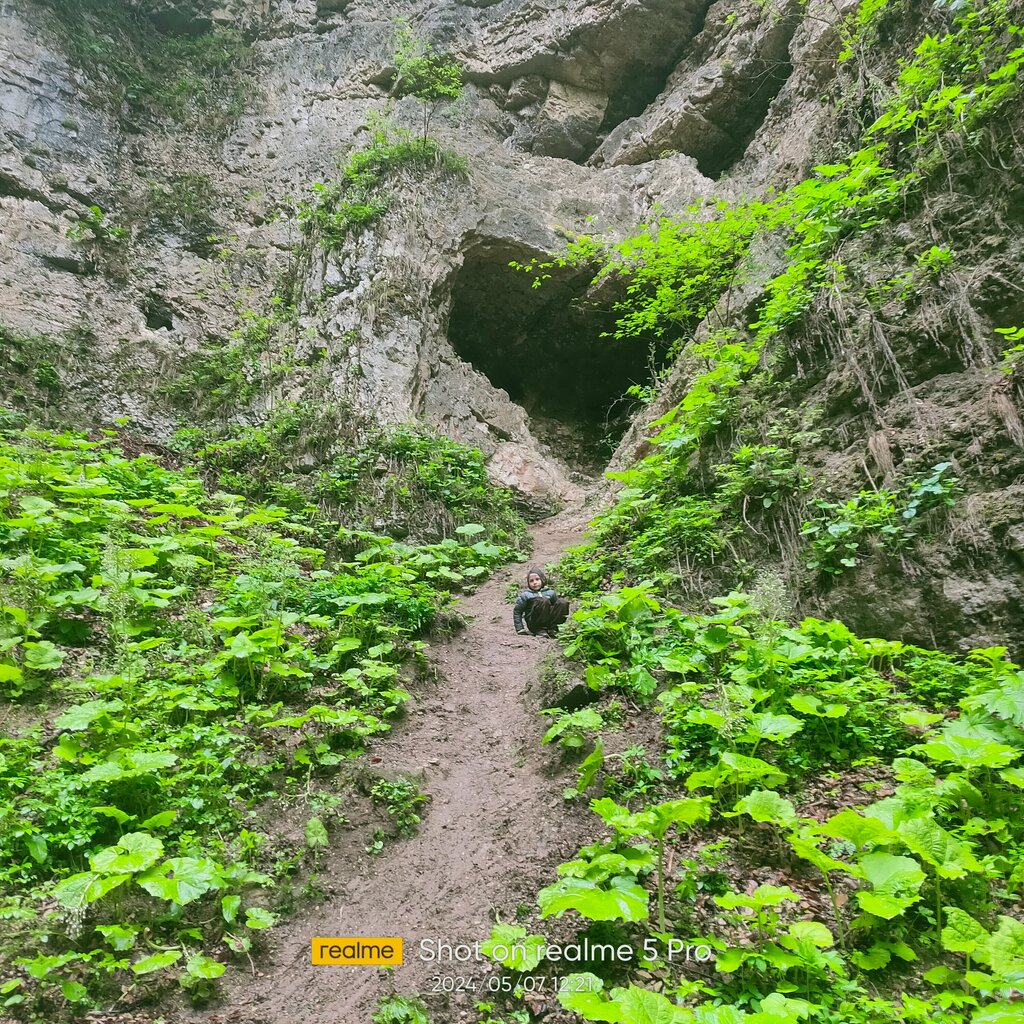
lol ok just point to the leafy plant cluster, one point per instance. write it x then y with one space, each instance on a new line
358 197
1014 355
31 368
924 879
95 225
886 517
182 662
222 378
178 76
404 480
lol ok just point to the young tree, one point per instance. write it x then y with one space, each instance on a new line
431 77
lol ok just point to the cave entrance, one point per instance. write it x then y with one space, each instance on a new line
544 347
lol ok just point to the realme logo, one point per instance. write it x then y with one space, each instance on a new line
357 951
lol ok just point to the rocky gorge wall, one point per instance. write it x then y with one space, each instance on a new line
550 87
575 116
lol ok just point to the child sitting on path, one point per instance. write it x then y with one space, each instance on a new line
542 609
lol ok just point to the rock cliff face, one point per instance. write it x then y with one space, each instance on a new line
421 316
575 114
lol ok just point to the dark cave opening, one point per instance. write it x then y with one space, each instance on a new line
543 346
158 312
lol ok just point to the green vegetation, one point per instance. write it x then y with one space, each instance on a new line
181 76
182 662
222 379
95 225
755 714
359 198
401 799
431 77
400 1010
35 371
889 517
181 202
404 480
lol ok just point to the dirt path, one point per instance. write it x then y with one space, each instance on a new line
495 828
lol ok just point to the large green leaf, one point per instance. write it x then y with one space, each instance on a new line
581 993
805 846
591 765
156 962
511 947
962 934
855 828
77 891
933 844
133 852
316 834
969 751
895 884
767 805
200 966
765 895
180 879
81 716
779 1009
736 769
641 1006
259 918
119 937
43 656
768 726
624 900
10 673
1005 701
808 704
1003 950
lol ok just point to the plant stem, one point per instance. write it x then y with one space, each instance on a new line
661 883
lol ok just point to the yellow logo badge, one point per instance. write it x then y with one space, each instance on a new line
357 950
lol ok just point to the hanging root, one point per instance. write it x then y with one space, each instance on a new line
1007 412
881 452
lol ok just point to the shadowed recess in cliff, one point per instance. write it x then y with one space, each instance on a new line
544 347
716 100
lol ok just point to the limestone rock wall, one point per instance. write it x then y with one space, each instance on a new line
546 82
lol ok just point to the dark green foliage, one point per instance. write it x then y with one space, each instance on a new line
34 369
404 480
181 203
224 377
889 519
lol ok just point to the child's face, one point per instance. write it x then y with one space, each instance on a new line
533 581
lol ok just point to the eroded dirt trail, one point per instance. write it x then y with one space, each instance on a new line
493 832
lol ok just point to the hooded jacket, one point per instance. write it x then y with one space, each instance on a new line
527 595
